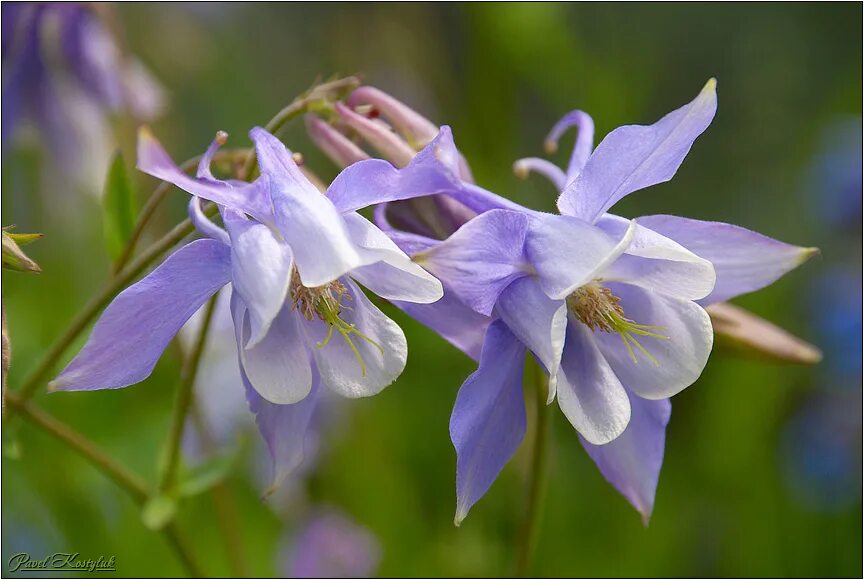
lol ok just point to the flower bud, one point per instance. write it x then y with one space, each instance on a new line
13 257
388 144
414 127
339 148
749 334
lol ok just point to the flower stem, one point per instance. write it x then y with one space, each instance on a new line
527 538
319 92
125 479
184 400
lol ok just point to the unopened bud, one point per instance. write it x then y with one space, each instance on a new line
417 130
339 148
386 142
746 333
13 257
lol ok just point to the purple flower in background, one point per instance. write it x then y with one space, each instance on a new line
301 322
65 74
330 545
611 308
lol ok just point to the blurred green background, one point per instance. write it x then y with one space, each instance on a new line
762 475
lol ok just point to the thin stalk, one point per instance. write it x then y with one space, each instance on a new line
125 479
223 501
156 198
527 538
299 106
184 400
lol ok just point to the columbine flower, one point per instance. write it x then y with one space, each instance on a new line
301 322
610 307
66 75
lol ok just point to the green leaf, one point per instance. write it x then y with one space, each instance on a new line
158 511
118 206
204 476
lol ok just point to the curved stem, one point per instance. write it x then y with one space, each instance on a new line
329 90
125 479
184 400
156 198
527 538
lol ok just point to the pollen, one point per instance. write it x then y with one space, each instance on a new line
327 303
601 311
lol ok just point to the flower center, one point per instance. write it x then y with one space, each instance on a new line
327 303
600 310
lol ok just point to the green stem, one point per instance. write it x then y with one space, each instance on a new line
184 400
321 92
125 479
527 538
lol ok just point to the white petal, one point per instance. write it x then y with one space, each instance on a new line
568 252
278 367
680 358
589 393
338 365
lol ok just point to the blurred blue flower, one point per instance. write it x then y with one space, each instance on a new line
834 186
821 446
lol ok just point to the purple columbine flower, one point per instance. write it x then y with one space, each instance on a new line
64 73
294 258
612 308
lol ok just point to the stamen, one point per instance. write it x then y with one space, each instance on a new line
600 310
326 303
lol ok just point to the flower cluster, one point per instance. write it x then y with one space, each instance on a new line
612 309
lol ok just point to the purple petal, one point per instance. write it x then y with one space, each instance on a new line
203 224
140 322
590 395
260 271
284 428
567 252
538 321
376 181
340 369
488 420
278 366
251 198
680 358
453 321
584 141
481 258
744 260
632 462
634 157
